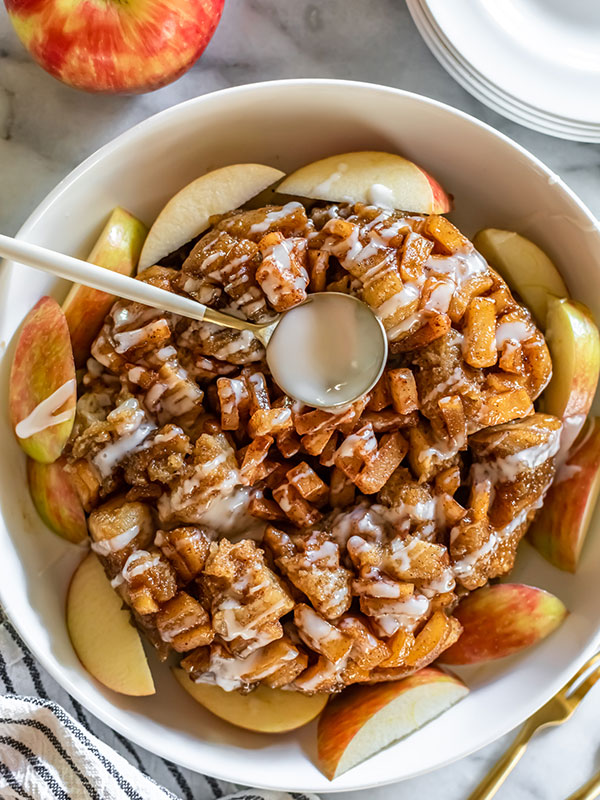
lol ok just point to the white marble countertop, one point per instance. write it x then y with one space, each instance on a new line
47 128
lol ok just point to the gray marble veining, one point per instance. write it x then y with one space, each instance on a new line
47 128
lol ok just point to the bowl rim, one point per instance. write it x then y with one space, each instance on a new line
6 268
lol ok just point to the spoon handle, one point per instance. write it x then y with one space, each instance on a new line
74 269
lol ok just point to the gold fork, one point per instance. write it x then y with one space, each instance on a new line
556 711
589 790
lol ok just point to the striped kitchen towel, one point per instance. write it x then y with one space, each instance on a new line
52 749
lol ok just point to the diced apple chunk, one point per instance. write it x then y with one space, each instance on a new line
264 710
42 388
107 644
117 249
364 719
371 177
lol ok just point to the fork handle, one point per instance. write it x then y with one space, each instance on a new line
588 791
502 769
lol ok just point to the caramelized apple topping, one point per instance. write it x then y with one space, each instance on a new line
273 543
311 561
246 598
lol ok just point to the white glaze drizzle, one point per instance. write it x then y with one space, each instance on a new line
44 414
380 195
516 331
274 216
105 547
506 469
112 454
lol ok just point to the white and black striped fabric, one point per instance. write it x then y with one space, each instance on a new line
52 749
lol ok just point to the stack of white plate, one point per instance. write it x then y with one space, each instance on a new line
537 62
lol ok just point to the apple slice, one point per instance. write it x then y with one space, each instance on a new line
118 249
56 500
264 710
364 719
561 525
187 214
102 635
524 266
503 619
574 345
43 389
370 177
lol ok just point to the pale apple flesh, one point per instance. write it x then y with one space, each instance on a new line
118 249
559 530
524 266
106 643
56 499
503 619
263 710
370 177
187 213
574 345
363 720
42 388
115 47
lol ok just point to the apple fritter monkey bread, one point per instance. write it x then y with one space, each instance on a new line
272 543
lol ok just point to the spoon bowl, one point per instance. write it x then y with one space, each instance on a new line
328 350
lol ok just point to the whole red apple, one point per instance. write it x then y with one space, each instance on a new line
115 45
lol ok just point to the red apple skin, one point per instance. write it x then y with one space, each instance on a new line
56 500
43 362
346 713
114 46
442 202
117 249
561 525
586 380
503 619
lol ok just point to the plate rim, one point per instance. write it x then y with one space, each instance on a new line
434 7
483 90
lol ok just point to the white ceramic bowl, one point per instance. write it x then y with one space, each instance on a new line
286 124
